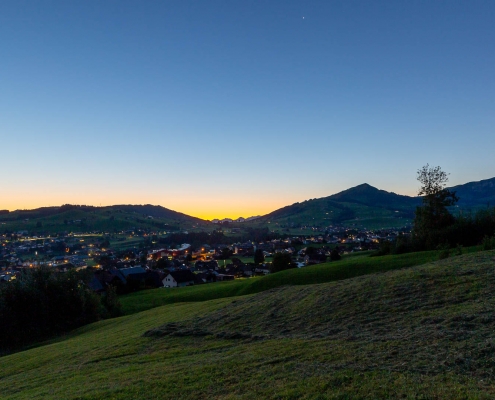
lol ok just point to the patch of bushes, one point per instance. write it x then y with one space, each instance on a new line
444 251
488 243
465 231
42 303
281 262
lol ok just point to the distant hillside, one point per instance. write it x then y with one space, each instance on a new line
476 194
363 206
367 206
156 212
81 218
370 196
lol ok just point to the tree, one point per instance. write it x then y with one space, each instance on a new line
433 215
41 302
106 262
225 254
259 257
104 244
163 263
311 251
334 254
281 261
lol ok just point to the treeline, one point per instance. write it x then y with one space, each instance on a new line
197 239
259 235
435 227
465 230
41 303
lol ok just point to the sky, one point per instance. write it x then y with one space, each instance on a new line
237 107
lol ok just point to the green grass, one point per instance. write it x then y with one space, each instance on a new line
419 333
327 272
245 260
128 243
321 213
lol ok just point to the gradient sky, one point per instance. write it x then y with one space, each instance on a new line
235 108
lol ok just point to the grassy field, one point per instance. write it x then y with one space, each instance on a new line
417 333
327 272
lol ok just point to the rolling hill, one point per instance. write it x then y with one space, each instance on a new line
365 206
77 218
476 194
360 206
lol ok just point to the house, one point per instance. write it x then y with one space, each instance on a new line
179 279
135 277
154 279
133 271
95 285
247 270
206 265
206 277
261 270
102 279
225 277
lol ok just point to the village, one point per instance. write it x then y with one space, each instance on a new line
147 265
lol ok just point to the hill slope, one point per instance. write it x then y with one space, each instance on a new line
476 194
435 302
88 218
326 272
367 206
362 206
422 332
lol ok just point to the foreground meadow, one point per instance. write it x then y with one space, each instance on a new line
419 332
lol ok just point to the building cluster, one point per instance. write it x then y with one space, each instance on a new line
184 265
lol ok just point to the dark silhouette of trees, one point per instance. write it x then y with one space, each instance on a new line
433 215
259 257
163 263
281 261
41 303
310 250
334 254
106 262
225 253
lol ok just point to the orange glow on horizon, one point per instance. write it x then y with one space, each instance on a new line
206 205
207 211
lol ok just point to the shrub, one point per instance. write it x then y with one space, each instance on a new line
444 251
488 243
334 255
111 302
281 261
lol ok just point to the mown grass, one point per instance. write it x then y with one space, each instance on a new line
327 272
380 352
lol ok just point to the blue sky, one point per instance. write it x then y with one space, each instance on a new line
229 108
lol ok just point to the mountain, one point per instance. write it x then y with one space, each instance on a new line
365 206
80 218
370 196
476 194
